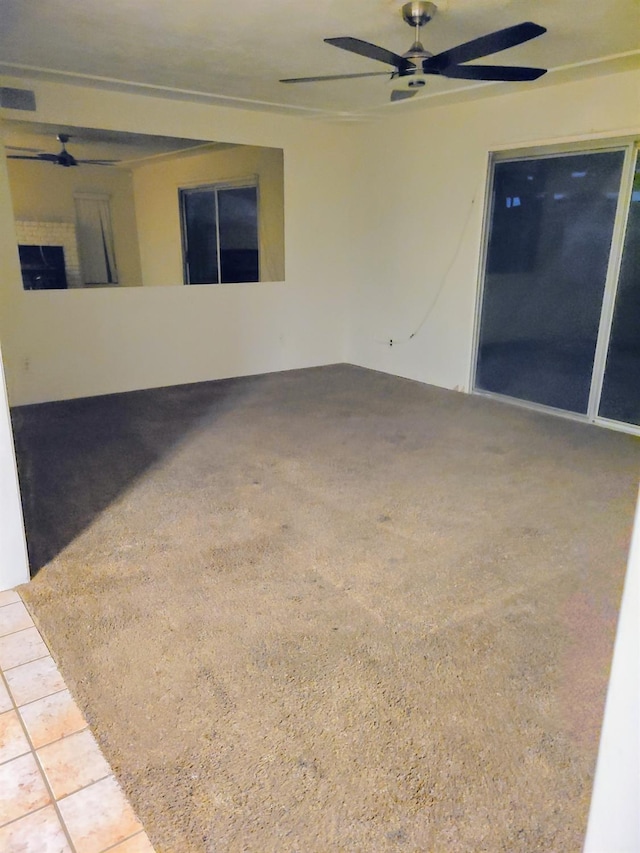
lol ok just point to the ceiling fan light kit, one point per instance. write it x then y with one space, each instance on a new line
411 69
409 81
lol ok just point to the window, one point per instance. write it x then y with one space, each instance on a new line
95 239
220 240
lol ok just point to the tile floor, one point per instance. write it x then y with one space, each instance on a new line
57 792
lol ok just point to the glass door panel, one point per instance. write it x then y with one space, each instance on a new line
548 249
620 398
199 212
239 234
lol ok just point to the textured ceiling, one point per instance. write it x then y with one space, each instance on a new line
235 53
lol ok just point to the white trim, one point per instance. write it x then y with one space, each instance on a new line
218 251
92 196
611 282
618 426
580 142
482 268
531 406
230 183
251 182
614 817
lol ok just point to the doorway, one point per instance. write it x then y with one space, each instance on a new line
559 316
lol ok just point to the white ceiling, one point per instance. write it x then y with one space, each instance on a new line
235 52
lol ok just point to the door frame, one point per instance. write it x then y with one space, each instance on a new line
631 147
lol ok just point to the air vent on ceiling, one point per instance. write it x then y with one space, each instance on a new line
17 99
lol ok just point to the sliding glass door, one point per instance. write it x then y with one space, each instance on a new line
620 399
551 303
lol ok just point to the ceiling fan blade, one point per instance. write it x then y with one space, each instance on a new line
483 46
403 94
371 51
55 158
510 74
335 77
98 162
22 148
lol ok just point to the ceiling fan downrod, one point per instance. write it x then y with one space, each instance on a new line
64 158
409 80
417 14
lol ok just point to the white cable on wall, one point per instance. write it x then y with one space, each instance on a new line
443 281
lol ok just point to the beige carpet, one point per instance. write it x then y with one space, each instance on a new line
333 610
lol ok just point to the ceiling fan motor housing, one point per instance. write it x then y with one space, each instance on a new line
412 79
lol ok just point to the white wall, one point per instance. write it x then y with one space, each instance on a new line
14 568
382 227
64 344
157 186
42 193
614 818
421 179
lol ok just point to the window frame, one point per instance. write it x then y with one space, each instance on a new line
250 182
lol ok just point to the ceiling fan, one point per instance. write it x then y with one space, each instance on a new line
63 158
410 71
